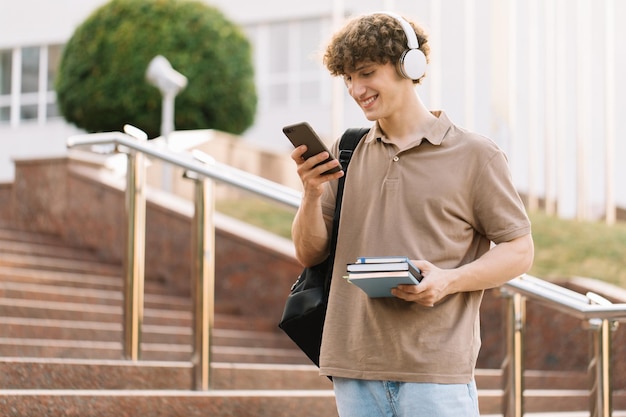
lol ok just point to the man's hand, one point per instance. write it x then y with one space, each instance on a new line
431 289
310 174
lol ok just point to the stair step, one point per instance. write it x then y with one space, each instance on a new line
27 328
240 403
59 293
55 373
561 414
46 249
87 312
16 327
537 380
58 373
15 235
82 349
70 279
73 279
67 311
218 403
57 264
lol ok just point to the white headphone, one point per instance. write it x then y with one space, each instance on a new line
412 63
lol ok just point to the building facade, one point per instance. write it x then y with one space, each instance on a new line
538 77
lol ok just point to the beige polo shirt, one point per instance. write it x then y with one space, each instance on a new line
442 199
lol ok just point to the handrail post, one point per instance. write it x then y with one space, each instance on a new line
135 254
600 400
601 393
203 279
513 365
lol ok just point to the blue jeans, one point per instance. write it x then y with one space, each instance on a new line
360 398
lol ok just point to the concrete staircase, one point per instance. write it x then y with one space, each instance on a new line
61 352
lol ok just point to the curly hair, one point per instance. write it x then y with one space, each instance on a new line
377 38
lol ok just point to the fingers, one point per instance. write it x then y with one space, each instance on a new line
297 153
414 294
314 169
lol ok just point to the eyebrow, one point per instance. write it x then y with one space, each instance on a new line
363 66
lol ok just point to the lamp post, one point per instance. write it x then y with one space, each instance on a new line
170 82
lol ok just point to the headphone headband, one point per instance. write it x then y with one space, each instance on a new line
411 37
412 63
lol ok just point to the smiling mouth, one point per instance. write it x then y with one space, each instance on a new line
369 101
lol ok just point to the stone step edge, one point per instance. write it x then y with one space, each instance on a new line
146 328
92 280
60 264
487 377
480 373
148 347
113 295
97 362
166 393
24 236
560 414
241 393
43 249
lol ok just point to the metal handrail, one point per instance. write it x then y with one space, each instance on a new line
567 301
195 162
198 167
600 317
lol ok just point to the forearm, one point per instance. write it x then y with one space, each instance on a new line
502 263
309 233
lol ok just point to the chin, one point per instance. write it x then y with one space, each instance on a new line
372 117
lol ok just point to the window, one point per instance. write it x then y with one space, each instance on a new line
30 83
278 80
54 60
287 63
27 83
310 61
30 70
6 63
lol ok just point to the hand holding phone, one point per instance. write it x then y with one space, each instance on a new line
303 134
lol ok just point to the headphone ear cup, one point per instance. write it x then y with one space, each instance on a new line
413 64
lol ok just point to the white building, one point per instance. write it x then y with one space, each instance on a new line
537 76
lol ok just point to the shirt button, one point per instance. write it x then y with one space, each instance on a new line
396 158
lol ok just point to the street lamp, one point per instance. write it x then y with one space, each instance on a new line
170 82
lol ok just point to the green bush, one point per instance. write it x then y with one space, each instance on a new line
101 83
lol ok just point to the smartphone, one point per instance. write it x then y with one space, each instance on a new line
303 134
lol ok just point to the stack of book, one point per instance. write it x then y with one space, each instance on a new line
378 275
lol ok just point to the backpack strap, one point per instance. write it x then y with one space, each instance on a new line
347 144
349 140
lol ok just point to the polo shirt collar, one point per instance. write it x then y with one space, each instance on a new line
435 136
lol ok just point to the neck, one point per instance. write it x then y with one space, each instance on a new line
411 122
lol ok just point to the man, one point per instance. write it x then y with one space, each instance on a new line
418 186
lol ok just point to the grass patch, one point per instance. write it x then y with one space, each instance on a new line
563 248
260 213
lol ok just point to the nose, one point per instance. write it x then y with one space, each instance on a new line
356 88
